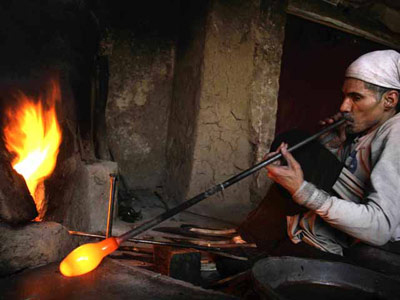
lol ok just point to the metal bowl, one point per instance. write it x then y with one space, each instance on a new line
299 278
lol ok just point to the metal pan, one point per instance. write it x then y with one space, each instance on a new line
287 278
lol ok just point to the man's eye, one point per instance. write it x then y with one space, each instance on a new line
356 98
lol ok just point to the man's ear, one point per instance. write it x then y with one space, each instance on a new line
391 99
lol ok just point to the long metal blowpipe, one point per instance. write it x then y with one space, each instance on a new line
215 250
87 257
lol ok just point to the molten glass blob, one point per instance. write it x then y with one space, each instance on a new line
87 257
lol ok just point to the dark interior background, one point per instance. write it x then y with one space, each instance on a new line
314 60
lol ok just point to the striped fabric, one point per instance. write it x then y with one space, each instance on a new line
309 227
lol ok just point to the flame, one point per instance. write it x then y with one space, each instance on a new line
32 134
87 257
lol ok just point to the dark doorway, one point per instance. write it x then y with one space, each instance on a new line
314 60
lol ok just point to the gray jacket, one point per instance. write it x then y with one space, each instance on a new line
368 208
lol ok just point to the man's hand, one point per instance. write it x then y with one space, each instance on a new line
291 176
339 133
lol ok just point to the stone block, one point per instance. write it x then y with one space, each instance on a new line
16 203
97 194
178 263
32 245
79 196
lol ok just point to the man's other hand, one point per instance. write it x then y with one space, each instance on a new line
335 137
290 176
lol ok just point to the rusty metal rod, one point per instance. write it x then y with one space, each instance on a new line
110 214
219 187
213 250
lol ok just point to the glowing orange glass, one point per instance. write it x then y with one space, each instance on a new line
87 257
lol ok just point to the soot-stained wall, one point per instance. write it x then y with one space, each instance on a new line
141 67
45 42
185 99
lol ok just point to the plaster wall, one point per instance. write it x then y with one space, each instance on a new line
237 104
269 34
222 146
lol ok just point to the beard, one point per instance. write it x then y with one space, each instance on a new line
350 130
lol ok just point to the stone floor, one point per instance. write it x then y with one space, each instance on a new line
111 280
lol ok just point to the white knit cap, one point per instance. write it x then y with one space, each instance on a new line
378 67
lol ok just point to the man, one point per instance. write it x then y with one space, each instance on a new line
365 201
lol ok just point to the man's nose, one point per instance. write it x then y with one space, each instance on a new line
346 105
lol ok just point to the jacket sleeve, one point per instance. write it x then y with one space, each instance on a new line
375 220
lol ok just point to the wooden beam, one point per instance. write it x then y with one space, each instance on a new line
350 21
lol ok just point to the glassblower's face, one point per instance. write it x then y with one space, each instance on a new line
361 105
